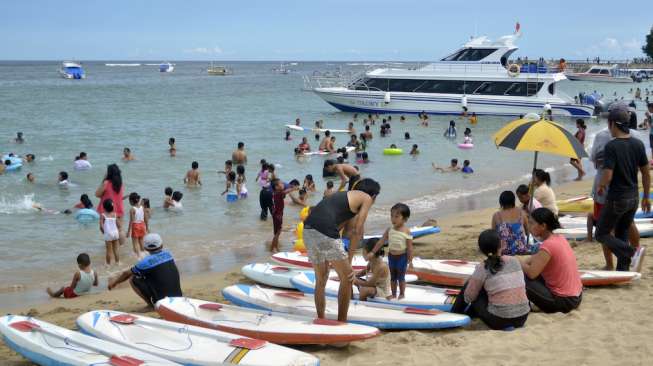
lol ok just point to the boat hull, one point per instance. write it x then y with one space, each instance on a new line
600 79
348 100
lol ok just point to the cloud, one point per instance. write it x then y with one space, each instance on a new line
612 47
204 50
610 43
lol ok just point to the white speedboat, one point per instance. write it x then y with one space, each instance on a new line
282 69
601 73
477 78
166 67
72 70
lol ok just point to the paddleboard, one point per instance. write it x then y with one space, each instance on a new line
415 231
580 204
279 276
456 272
187 344
423 297
381 316
310 129
270 326
308 153
47 344
575 228
299 259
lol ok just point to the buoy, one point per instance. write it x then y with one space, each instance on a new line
386 97
513 70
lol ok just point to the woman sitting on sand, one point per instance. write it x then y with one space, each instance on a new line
495 292
552 278
510 223
543 192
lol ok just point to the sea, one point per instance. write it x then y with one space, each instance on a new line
132 104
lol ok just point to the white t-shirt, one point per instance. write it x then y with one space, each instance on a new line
547 198
82 164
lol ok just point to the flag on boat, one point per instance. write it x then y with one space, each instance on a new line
517 28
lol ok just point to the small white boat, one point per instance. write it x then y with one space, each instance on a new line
273 327
72 70
187 344
422 297
381 316
282 69
601 73
218 70
47 344
166 67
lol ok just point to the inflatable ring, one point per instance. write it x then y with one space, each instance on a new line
465 146
16 163
86 215
513 70
390 151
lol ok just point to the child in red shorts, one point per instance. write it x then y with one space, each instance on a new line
82 280
138 221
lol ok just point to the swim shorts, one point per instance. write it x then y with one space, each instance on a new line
69 293
138 230
322 248
597 212
398 265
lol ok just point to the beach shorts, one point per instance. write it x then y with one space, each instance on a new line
138 230
69 293
597 212
277 222
398 265
352 182
322 248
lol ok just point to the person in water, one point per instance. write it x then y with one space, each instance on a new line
19 138
453 167
324 245
62 179
81 162
364 159
241 182
239 156
473 119
127 154
231 189
450 132
30 177
287 137
82 280
468 136
327 144
176 200
192 178
309 183
228 167
414 150
172 147
110 227
167 198
138 223
467 169
304 147
496 291
278 195
377 282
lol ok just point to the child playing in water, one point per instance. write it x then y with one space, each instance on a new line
364 158
468 136
228 167
466 168
82 280
167 199
329 189
473 119
301 199
278 194
84 202
414 150
192 178
137 223
400 248
63 179
30 177
231 190
146 208
377 283
173 147
451 168
240 182
450 132
176 200
287 138
110 226
309 184
127 154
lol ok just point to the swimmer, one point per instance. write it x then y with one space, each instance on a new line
364 158
297 121
346 172
473 119
317 137
450 132
172 147
19 138
192 178
309 183
351 129
288 137
393 146
127 154
81 162
327 143
406 136
176 200
239 156
367 134
453 167
301 199
304 146
468 136
62 179
167 198
414 150
29 158
30 178
466 168
329 189
402 119
146 208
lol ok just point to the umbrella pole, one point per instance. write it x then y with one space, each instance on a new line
532 185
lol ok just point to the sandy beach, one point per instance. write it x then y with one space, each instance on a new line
612 326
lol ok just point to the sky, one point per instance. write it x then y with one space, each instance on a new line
320 30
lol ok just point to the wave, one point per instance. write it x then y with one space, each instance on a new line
46 158
23 205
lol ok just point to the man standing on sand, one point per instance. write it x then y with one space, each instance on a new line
345 211
239 156
153 277
347 173
622 158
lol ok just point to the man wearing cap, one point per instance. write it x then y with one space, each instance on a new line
155 276
623 157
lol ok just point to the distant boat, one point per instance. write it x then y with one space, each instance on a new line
218 70
282 69
71 70
602 73
166 67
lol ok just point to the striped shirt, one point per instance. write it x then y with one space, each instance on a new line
505 289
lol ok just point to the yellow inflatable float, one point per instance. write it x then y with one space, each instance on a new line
581 204
299 231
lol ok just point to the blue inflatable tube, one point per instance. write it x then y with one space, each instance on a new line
86 216
16 163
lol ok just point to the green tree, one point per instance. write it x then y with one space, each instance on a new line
648 47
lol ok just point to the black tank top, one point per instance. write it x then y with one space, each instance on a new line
327 216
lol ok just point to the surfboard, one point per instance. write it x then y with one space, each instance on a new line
575 228
381 316
309 129
299 259
47 344
273 327
423 297
580 204
279 276
187 344
415 231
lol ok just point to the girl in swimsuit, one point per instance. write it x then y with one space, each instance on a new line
377 283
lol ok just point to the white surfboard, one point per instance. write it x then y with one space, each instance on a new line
415 231
47 344
279 276
381 316
424 297
299 259
309 129
187 344
273 327
575 228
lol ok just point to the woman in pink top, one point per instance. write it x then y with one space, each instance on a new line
552 278
112 188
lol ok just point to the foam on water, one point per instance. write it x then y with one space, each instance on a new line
22 205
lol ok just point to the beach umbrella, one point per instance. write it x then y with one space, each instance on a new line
541 135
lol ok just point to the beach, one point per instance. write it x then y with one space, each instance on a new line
611 327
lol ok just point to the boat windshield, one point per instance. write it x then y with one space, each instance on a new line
470 54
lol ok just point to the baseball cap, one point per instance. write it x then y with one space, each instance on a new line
619 113
152 241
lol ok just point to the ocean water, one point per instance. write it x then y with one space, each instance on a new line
140 108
